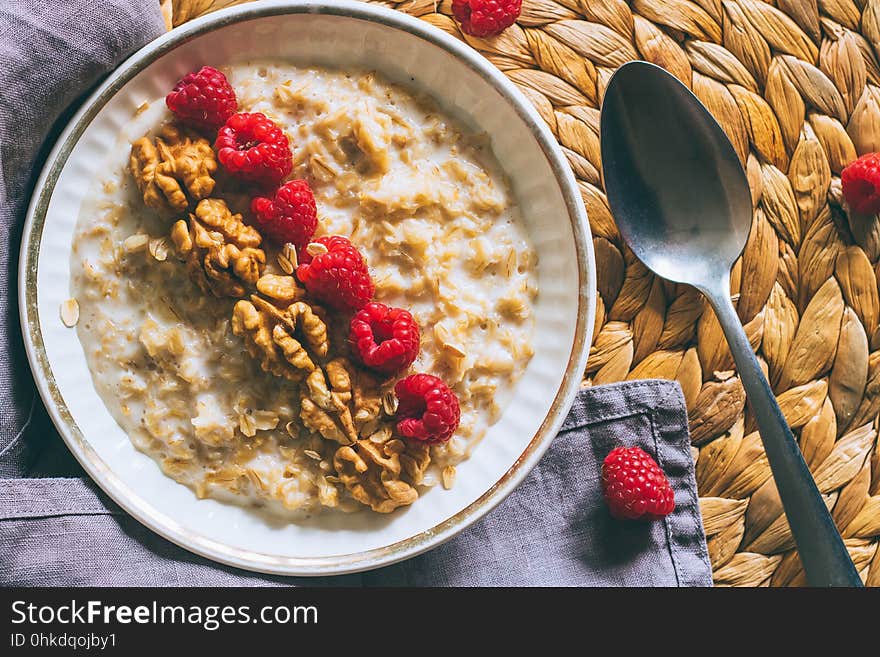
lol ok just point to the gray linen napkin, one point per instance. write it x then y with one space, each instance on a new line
57 529
553 530
50 54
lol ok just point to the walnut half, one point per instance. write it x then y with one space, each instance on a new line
339 400
220 250
289 342
382 475
172 169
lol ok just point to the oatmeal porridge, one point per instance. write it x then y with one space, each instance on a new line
207 344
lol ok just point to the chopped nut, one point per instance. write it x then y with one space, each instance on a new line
135 243
382 476
312 454
316 249
215 215
220 250
369 427
181 237
174 168
448 476
338 400
280 288
70 313
383 435
288 342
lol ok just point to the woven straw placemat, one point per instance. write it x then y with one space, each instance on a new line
796 86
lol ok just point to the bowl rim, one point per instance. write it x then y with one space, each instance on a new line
140 509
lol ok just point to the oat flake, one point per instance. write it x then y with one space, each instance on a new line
70 313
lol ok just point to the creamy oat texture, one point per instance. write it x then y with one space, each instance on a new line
425 203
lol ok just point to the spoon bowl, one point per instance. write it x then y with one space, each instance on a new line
681 200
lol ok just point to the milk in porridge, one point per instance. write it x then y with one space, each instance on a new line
427 205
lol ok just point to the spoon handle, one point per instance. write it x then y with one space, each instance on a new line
824 557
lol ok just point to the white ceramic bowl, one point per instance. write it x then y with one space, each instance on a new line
337 35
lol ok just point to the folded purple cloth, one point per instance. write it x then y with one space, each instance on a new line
52 54
57 529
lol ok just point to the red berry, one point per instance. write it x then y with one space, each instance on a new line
339 277
485 18
203 99
385 339
427 409
253 148
634 485
291 216
861 184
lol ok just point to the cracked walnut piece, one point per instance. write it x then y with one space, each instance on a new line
177 166
289 339
339 400
289 342
220 250
383 476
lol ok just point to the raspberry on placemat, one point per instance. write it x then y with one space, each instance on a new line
335 273
427 409
203 99
485 18
251 147
384 339
861 184
291 216
634 485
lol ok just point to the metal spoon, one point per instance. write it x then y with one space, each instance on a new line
681 201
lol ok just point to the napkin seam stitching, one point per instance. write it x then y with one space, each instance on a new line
702 550
59 513
89 501
658 449
643 406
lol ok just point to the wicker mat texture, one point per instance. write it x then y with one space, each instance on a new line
796 86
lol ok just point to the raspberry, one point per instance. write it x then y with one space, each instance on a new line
385 339
634 485
861 184
253 148
427 409
339 277
289 217
485 18
203 99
